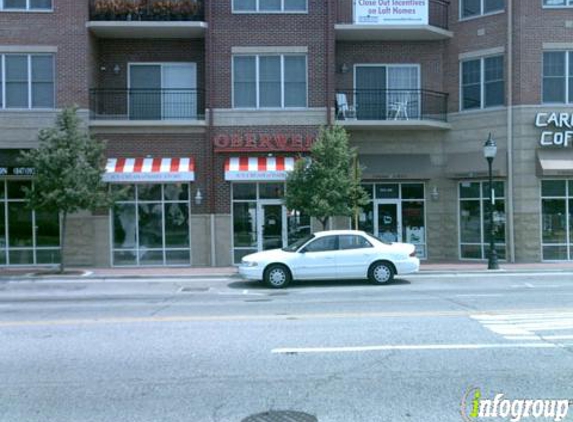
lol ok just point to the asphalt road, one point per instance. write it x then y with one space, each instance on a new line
207 350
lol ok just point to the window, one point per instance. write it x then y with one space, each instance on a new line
557 220
269 6
26 5
28 81
353 242
482 83
27 237
150 225
277 81
558 77
558 3
474 219
322 244
470 8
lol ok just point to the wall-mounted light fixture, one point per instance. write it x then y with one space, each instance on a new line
344 68
434 194
198 197
116 69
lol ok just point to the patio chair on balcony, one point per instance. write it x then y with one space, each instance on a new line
398 109
343 110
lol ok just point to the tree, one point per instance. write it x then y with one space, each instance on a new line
328 183
68 170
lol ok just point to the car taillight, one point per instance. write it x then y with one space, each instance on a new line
413 254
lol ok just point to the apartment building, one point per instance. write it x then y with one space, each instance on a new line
206 105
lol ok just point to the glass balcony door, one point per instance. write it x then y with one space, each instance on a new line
162 91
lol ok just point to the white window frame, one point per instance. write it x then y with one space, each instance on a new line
29 81
28 8
257 81
484 246
481 83
164 249
567 4
257 9
568 63
568 195
481 11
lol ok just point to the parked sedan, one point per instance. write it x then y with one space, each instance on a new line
340 254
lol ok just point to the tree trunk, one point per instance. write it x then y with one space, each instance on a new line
324 222
63 241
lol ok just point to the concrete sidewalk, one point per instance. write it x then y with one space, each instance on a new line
427 267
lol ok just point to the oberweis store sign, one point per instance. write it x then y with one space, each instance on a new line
391 12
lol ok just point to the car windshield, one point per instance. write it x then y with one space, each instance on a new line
293 247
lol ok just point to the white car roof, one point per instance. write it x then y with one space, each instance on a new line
339 232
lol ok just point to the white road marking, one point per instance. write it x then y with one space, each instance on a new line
410 347
564 337
481 295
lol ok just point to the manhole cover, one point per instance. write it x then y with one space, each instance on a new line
281 416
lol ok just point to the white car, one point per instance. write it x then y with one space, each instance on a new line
336 254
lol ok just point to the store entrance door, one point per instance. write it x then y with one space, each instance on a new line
388 221
271 232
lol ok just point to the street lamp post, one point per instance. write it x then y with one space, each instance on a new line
489 152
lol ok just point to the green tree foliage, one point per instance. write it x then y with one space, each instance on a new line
328 183
68 171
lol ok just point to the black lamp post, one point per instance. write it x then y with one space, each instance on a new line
489 152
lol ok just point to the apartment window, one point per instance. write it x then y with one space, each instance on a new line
470 8
26 81
558 77
271 6
558 3
26 5
277 81
482 83
474 220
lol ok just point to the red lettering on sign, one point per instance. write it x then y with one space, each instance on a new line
236 141
281 141
297 142
309 141
265 142
250 140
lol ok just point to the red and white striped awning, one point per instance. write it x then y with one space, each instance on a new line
258 168
149 170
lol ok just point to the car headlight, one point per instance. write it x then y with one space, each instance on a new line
249 263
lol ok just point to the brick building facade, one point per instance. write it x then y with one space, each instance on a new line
203 109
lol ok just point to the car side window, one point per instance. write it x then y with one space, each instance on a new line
353 242
322 244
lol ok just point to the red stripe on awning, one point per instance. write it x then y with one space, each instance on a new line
174 164
244 164
156 166
138 165
119 165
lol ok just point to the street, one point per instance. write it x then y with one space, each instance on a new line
221 349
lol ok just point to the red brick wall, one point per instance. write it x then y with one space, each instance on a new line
65 29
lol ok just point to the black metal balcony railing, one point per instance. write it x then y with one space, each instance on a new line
438 13
391 104
146 10
147 104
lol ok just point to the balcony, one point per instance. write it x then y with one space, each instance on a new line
142 107
147 19
426 24
392 109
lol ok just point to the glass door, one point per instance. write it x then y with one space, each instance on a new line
370 83
179 91
144 92
271 225
388 221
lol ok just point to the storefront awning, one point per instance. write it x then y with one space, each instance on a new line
555 162
397 166
149 170
467 165
258 168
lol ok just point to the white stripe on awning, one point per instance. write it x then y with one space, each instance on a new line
258 168
149 170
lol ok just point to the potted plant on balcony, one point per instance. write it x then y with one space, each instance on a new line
162 10
103 10
133 10
185 9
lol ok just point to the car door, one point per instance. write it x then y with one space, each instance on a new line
317 259
354 256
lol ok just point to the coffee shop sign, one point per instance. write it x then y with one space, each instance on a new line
558 129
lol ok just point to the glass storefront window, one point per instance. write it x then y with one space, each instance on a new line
245 225
27 237
396 214
474 219
244 191
271 190
150 225
557 219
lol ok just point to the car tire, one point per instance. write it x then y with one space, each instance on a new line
381 273
277 276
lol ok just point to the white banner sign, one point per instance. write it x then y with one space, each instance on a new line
149 177
391 12
255 175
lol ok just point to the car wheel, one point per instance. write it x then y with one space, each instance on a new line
277 276
381 273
